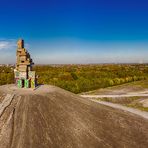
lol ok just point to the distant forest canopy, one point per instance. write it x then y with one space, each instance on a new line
82 78
6 75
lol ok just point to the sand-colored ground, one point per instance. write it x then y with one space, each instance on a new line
52 117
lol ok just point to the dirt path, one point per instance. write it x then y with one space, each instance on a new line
124 108
53 117
115 96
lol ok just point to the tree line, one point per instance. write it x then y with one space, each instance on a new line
82 78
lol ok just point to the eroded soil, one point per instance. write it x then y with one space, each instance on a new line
52 117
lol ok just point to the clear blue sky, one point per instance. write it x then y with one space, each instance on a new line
75 31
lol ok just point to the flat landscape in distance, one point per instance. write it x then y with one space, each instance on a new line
82 78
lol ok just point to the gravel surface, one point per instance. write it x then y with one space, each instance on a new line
143 114
52 117
140 94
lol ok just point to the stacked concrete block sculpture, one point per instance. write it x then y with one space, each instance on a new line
24 76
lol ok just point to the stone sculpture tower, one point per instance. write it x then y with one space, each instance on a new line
24 76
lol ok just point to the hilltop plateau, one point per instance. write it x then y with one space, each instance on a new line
52 117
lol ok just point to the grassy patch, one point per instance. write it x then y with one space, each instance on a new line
124 101
127 101
138 106
122 89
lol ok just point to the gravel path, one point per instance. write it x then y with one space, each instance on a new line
53 117
124 108
115 96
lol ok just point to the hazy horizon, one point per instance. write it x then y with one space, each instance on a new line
75 32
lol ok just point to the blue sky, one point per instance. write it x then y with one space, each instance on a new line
75 31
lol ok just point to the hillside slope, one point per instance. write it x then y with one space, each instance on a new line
52 117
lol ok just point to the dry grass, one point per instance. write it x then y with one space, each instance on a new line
134 102
122 89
